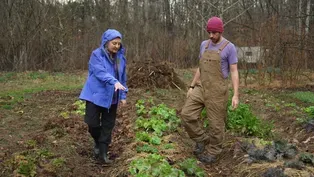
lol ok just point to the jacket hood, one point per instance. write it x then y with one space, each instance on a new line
109 35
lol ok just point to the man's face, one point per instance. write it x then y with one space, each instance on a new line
214 36
114 45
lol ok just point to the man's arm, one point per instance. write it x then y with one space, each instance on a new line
194 82
235 83
196 77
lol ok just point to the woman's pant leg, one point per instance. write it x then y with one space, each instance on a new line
108 120
92 119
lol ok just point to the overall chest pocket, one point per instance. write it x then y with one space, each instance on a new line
210 66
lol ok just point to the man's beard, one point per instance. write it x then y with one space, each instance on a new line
216 40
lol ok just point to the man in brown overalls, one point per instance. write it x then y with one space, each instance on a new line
209 89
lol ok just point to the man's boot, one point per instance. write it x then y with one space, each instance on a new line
199 148
103 156
206 158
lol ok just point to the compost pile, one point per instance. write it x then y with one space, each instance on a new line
151 74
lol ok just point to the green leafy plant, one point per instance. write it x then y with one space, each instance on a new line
307 158
140 107
146 148
309 111
65 114
309 115
307 97
168 146
146 137
242 120
158 126
290 105
153 165
204 118
27 167
25 163
80 107
276 107
45 153
189 166
157 118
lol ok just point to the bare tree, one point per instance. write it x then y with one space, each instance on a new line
47 34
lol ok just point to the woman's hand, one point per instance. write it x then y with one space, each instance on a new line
123 103
118 86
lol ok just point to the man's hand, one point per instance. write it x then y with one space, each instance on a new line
118 86
235 102
189 92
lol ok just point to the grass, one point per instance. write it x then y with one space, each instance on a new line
15 87
306 97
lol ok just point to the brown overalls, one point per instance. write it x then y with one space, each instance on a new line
212 94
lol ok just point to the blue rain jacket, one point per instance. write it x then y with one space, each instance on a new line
99 86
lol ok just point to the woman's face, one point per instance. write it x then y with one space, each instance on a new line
114 45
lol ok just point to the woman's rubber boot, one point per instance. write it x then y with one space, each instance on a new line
103 156
96 150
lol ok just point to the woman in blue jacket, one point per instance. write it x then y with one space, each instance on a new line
104 89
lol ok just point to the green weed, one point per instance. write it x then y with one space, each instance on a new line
309 111
27 167
58 162
7 106
146 148
168 146
38 75
31 144
276 106
19 86
306 97
188 75
5 77
26 163
243 121
307 158
58 132
189 166
250 91
45 153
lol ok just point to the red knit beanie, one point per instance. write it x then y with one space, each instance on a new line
215 24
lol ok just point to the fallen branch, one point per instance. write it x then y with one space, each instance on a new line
176 86
308 140
151 73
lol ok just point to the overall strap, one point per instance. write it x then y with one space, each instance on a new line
207 45
223 46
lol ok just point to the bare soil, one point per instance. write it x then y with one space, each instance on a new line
38 118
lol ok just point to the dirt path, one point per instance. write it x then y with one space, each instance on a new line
39 118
